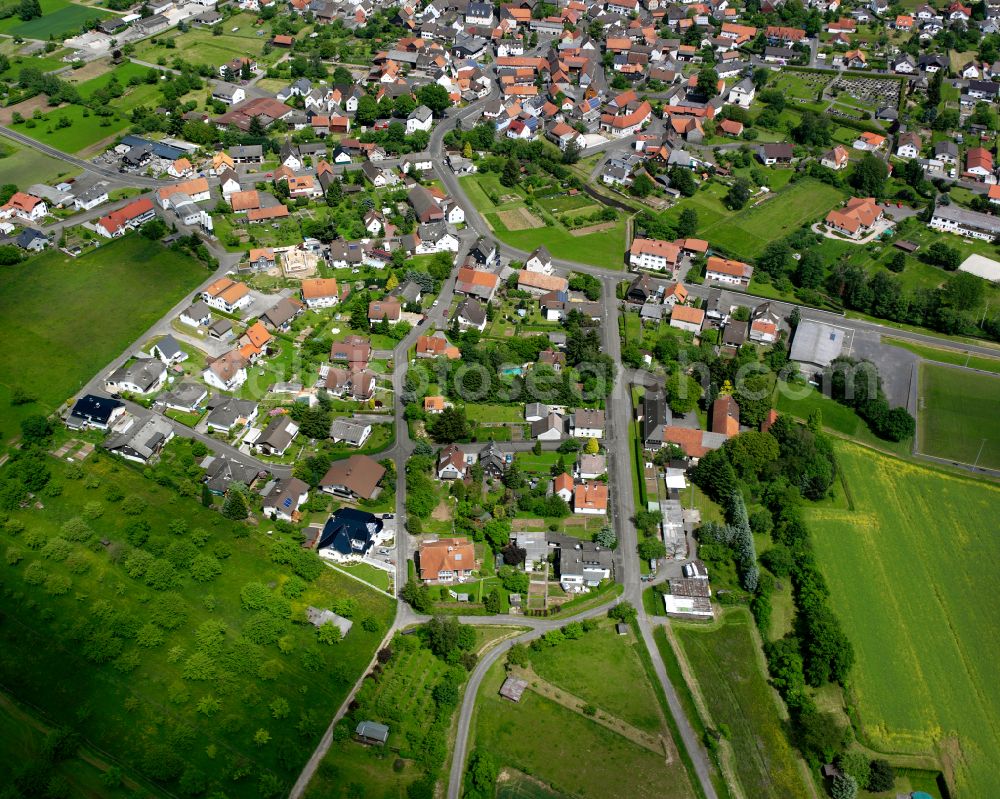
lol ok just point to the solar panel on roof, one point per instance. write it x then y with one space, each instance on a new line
287 503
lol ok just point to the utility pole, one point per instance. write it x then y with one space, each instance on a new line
976 464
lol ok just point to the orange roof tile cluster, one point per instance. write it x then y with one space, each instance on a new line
591 496
446 555
317 288
261 214
858 213
189 187
227 290
244 200
663 249
684 313
725 416
726 266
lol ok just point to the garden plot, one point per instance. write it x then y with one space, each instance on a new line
519 219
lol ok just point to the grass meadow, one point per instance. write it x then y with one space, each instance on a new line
910 571
59 19
725 659
959 415
604 669
65 318
182 679
567 751
23 166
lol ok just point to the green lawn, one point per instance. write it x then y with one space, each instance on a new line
368 573
568 751
747 232
604 669
928 353
65 318
959 416
530 462
910 572
726 661
59 19
172 675
606 248
494 413
23 166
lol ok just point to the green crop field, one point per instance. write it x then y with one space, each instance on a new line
59 19
604 669
911 570
169 668
568 751
957 357
65 318
959 415
23 166
725 660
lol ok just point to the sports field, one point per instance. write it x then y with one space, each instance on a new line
959 415
911 572
725 660
65 318
59 19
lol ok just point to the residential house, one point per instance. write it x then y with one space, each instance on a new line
908 145
168 350
227 295
92 411
856 219
654 254
838 158
583 565
349 431
725 416
590 498
131 216
447 560
320 292
227 372
143 440
280 315
725 270
349 534
356 477
477 283
550 428
358 384
355 350
140 376
284 497
277 436
562 487
587 424
225 413
387 309
686 318
470 315
23 206
451 463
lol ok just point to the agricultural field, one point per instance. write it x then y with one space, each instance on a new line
908 570
179 646
525 228
59 19
24 166
959 415
982 362
50 298
726 661
568 752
